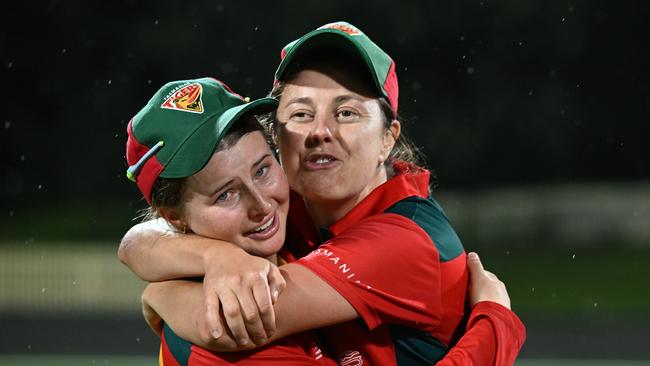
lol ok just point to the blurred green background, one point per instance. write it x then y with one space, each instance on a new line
532 114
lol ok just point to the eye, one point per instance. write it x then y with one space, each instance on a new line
346 115
301 116
262 171
223 197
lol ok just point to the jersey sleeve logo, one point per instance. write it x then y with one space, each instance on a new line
186 99
343 28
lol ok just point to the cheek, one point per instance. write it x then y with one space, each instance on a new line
289 143
216 223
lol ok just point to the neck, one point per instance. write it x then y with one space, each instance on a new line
325 212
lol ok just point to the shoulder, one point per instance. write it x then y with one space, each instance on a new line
427 214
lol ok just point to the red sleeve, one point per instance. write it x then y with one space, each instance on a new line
381 266
494 336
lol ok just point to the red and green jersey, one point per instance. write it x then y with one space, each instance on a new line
298 349
398 262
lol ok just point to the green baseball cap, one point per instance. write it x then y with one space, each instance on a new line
176 133
346 37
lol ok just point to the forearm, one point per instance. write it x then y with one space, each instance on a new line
180 304
494 336
154 252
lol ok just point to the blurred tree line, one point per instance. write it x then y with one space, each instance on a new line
497 93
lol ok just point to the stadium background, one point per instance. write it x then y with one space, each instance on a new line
533 115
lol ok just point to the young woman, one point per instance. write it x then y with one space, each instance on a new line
391 260
201 160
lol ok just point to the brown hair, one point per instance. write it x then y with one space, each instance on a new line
167 193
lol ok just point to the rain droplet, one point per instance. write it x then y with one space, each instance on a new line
10 65
577 85
29 346
110 82
596 304
507 252
571 8
573 256
470 71
563 20
530 93
43 290
464 57
74 283
149 81
481 3
256 29
462 38
520 43
11 214
64 50
7 125
196 25
39 187
137 339
22 157
115 135
155 22
553 295
532 289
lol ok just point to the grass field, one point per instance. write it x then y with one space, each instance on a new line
149 361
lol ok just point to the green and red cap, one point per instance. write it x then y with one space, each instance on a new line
177 132
347 38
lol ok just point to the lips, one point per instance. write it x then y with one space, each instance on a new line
319 161
267 229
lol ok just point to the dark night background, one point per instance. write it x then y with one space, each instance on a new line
501 95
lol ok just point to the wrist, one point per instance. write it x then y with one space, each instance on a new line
216 250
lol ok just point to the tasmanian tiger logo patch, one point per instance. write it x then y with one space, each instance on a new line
347 28
185 98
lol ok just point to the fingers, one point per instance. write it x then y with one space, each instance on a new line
262 296
277 283
212 314
485 285
254 326
234 318
474 264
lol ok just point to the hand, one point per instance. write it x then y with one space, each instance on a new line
243 289
484 285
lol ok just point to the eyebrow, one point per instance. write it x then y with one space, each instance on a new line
304 100
221 187
346 97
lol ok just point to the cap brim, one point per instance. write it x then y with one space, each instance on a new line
323 39
197 150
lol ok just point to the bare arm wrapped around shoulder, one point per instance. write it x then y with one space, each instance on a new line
182 304
154 251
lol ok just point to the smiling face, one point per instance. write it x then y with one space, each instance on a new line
333 139
240 196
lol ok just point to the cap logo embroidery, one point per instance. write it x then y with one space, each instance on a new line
185 98
343 28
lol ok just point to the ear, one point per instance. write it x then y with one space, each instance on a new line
174 218
391 134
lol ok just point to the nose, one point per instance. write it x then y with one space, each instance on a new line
321 131
260 204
